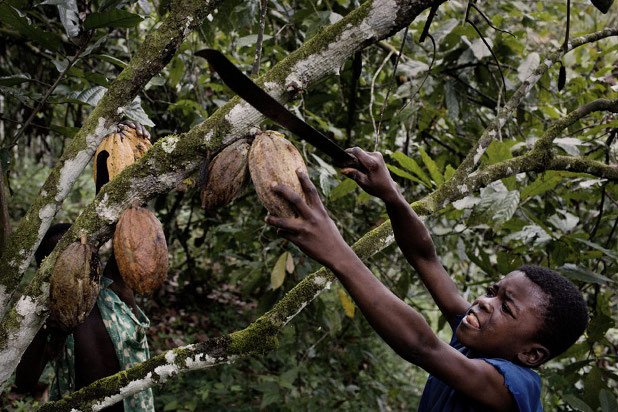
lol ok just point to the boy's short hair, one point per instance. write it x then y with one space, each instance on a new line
566 312
50 240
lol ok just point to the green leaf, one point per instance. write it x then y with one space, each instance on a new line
495 209
434 171
251 39
576 403
113 60
410 164
277 276
578 273
12 18
114 18
607 252
401 173
607 401
342 189
545 182
177 70
14 80
449 171
90 96
498 151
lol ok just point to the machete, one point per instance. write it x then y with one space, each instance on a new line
244 87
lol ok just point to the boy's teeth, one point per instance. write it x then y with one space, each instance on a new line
472 320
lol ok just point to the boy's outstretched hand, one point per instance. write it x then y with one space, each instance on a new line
313 231
377 180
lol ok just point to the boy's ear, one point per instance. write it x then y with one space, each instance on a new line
533 355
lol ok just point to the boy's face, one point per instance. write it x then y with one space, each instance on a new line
504 321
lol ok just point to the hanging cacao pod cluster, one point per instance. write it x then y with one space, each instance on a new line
117 151
74 285
140 249
226 177
273 159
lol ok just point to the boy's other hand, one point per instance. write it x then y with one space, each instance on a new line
377 181
313 231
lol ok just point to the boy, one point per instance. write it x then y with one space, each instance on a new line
528 317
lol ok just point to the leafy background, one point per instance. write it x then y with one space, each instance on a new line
228 267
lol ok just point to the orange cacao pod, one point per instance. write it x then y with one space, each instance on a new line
74 285
141 250
273 159
227 176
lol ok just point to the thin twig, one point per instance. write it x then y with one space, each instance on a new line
489 21
371 99
258 47
390 86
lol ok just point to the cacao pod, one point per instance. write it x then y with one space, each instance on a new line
140 250
113 154
139 144
74 285
116 152
227 175
273 159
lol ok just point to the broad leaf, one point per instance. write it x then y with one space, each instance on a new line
346 302
410 164
578 273
113 18
134 111
14 80
342 189
277 276
434 171
69 15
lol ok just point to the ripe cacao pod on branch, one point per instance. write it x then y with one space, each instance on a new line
74 285
141 250
116 152
273 159
227 176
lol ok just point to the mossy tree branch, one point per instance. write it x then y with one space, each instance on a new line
261 335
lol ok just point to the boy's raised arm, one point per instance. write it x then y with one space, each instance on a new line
411 234
401 327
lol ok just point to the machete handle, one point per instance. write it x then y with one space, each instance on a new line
350 161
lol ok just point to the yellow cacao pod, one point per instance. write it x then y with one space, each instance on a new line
140 145
227 176
273 159
74 285
116 152
141 250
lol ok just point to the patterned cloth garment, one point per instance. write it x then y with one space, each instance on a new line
128 334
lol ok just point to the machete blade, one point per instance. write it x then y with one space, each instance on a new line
244 87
